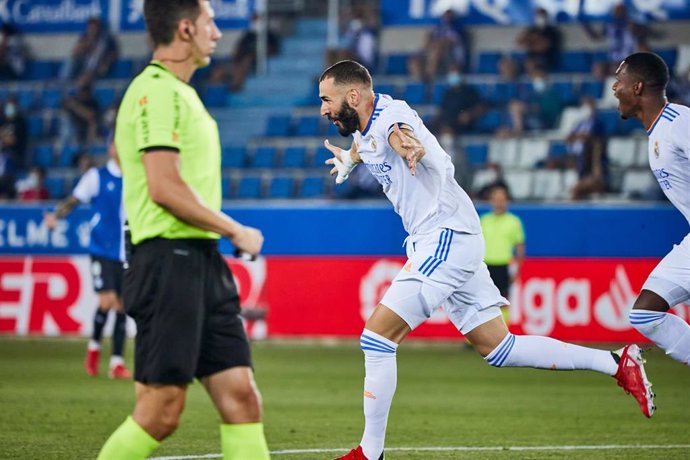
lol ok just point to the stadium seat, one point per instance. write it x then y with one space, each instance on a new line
570 117
487 62
622 151
41 70
669 55
477 154
386 88
43 155
312 187
547 185
566 92
503 92
233 157
295 157
104 96
438 91
490 121
307 126
629 126
533 151
249 187
25 99
396 64
414 93
320 156
67 155
263 157
575 62
225 187
557 149
592 88
55 186
504 152
34 126
98 149
520 184
609 120
638 184
215 95
281 187
51 98
278 125
642 153
121 68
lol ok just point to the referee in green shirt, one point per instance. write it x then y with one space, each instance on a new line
178 288
505 240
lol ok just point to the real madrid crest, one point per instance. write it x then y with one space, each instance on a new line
656 149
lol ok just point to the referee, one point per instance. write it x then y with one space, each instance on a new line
178 288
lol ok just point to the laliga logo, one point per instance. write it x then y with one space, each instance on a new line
611 308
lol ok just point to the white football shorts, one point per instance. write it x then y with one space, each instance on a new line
671 278
445 268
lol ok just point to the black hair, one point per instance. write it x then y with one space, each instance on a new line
162 17
344 72
648 68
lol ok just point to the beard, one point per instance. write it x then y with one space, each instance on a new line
348 118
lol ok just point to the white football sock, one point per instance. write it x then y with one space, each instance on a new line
547 353
381 377
666 330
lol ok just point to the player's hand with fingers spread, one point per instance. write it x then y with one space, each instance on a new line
248 240
343 161
412 149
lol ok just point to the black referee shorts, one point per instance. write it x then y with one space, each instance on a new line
106 274
184 301
501 277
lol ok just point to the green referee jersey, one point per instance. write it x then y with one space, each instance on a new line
502 232
161 111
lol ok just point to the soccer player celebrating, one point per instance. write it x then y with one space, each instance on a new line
445 251
178 288
640 88
102 187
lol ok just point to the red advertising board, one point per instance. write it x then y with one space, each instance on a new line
570 299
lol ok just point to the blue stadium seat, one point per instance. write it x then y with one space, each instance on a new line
628 126
485 90
414 93
278 125
233 157
263 157
281 187
487 62
225 186
332 130
34 126
294 157
67 155
43 155
477 154
104 96
490 121
592 88
557 149
504 92
566 92
386 88
98 149
51 98
396 64
307 126
669 55
41 70
25 99
249 187
312 187
609 120
121 68
438 91
575 62
55 186
215 96
320 156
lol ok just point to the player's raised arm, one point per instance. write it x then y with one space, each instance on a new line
406 144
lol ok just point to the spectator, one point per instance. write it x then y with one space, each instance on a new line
13 53
678 89
7 170
624 35
94 53
359 41
461 105
13 133
542 41
80 116
446 44
33 187
539 110
586 152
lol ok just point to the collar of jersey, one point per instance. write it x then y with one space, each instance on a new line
371 117
656 120
158 64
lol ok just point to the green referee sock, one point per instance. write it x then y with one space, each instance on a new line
128 442
243 441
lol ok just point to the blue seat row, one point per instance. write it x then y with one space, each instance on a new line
272 157
278 186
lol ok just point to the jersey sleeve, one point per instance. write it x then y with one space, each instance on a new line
157 118
398 113
87 187
519 234
680 134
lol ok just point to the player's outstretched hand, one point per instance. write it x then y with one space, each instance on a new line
50 220
248 240
342 161
414 150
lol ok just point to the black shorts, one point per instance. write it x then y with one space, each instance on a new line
501 277
106 274
184 301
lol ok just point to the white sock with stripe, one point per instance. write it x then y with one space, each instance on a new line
666 330
381 377
547 353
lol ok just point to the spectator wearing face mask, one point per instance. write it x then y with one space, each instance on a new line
461 105
13 53
13 134
542 41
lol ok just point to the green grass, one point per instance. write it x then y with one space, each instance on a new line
447 396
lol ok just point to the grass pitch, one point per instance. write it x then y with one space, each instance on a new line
447 397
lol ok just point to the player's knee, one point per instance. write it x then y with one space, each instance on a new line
498 356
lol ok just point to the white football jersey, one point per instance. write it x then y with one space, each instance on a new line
669 155
430 199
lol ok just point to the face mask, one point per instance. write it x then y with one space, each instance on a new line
10 110
356 25
539 85
454 79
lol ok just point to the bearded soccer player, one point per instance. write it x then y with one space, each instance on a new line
640 88
445 251
178 288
